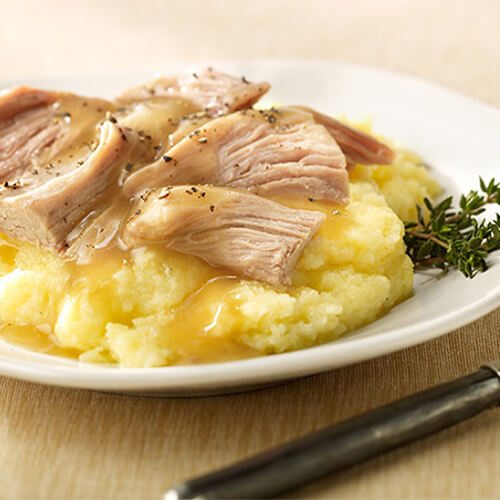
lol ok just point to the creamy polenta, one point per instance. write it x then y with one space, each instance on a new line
155 307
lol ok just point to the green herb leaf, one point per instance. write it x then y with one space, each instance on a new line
448 238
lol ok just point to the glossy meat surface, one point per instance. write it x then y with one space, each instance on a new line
242 232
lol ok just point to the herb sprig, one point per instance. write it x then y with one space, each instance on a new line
445 237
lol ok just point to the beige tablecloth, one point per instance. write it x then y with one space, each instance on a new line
64 444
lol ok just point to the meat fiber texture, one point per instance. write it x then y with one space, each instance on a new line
145 311
231 229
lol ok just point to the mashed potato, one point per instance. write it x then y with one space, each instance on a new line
154 307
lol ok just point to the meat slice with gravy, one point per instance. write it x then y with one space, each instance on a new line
357 146
24 98
36 125
242 232
44 205
213 92
266 152
156 121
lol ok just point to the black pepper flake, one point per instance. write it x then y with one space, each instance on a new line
244 80
128 167
212 208
311 199
195 75
66 245
203 194
158 148
167 159
148 137
188 191
138 212
110 117
124 137
194 190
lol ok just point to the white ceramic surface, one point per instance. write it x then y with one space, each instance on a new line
455 134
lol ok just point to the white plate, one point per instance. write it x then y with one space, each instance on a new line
456 134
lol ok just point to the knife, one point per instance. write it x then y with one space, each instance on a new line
350 442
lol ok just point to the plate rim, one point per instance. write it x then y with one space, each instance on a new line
410 77
277 367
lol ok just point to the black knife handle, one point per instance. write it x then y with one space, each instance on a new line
349 442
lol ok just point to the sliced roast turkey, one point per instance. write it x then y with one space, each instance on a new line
239 231
265 152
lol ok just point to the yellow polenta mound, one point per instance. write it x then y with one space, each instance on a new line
156 307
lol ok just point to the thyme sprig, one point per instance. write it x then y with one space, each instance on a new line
444 237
